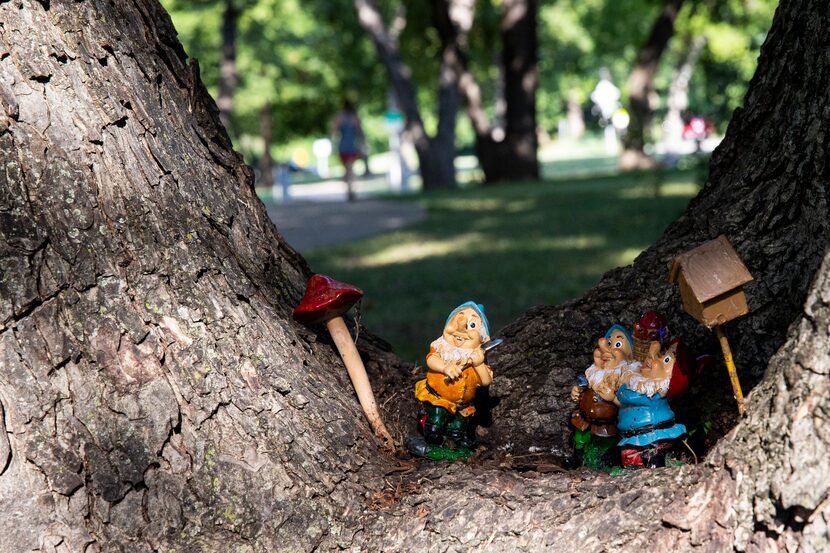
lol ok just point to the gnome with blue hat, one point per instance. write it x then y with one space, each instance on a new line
595 419
456 368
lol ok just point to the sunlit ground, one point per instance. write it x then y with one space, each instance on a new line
510 247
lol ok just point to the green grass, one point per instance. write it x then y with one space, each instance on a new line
509 247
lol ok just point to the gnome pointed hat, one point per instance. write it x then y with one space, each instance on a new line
625 332
479 309
685 369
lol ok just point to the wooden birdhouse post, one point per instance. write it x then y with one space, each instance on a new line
711 279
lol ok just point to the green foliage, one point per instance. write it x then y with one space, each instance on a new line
305 56
440 453
301 57
734 31
578 37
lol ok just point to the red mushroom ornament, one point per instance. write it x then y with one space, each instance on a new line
325 301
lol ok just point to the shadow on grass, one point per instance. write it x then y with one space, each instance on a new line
509 247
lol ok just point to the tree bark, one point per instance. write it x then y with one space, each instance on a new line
436 155
228 78
640 87
157 394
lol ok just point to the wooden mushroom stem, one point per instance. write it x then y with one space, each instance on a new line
360 380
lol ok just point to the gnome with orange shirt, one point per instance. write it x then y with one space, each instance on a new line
456 368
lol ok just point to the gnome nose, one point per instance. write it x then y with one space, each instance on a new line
654 351
461 323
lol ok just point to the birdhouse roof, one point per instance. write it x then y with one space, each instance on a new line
711 269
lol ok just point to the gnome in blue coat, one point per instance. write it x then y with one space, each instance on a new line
646 422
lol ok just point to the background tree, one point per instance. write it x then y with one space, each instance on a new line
578 38
640 86
158 395
302 59
436 154
507 150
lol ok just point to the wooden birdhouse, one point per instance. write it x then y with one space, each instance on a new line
711 279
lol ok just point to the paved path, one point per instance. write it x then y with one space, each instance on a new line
308 225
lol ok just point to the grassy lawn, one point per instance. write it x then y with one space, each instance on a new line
509 247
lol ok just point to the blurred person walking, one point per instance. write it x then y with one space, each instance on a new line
349 136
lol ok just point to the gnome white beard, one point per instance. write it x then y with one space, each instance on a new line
648 386
449 352
598 377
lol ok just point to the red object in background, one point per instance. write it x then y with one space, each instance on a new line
698 128
422 421
325 299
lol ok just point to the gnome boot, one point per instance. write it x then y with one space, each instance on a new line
458 432
435 424
433 434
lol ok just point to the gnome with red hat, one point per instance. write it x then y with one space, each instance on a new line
645 420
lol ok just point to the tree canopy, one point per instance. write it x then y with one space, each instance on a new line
305 57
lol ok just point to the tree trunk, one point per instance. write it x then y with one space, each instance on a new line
157 394
641 87
436 155
575 118
228 77
509 153
440 164
266 164
521 79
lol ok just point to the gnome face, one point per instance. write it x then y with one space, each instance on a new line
465 329
613 350
659 366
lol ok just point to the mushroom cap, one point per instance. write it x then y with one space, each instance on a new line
325 299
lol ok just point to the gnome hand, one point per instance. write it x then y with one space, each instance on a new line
605 392
453 370
576 391
476 358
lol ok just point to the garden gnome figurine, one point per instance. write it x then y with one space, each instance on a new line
646 422
456 368
595 418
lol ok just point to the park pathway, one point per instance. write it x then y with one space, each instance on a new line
309 225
